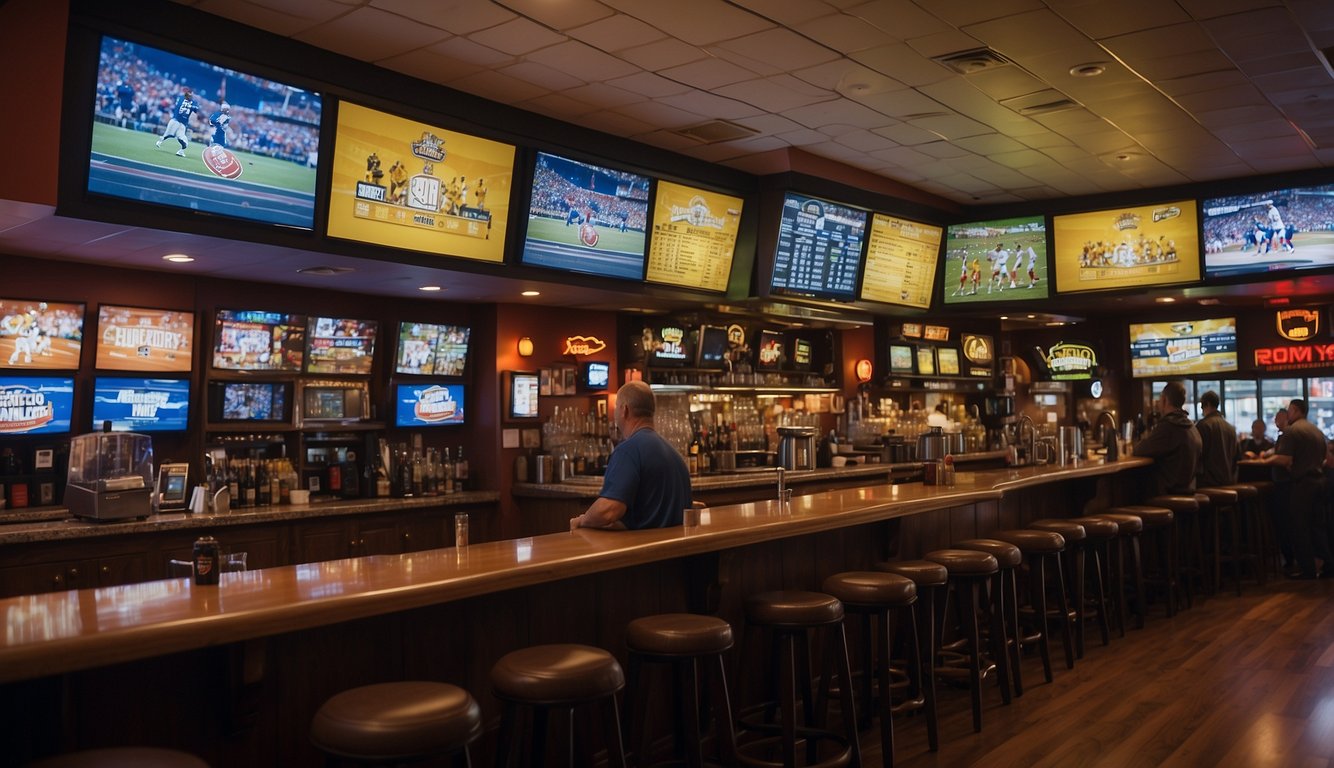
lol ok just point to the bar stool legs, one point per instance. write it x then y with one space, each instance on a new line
968 571
930 579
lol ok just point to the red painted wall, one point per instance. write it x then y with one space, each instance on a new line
32 52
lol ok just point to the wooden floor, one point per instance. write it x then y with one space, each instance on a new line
1235 681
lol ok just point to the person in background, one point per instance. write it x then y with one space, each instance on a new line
1173 444
1256 445
1218 445
938 417
1298 462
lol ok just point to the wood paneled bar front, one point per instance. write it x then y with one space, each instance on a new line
239 669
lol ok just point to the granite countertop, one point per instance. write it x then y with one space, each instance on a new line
56 524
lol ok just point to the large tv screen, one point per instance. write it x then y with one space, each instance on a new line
694 237
1269 231
141 405
1185 348
819 252
998 260
40 334
30 405
137 339
900 261
340 345
250 340
425 349
1135 247
586 218
405 184
428 404
186 133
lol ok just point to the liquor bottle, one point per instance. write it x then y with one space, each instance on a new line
285 474
351 476
382 484
692 462
248 484
275 482
233 482
417 489
460 471
404 471
446 474
265 497
334 473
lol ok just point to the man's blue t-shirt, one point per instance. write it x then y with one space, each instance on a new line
647 474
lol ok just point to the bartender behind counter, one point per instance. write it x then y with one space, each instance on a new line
647 483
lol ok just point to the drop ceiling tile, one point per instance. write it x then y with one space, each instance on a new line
1313 78
990 144
899 19
907 135
1103 19
617 124
1272 128
1205 9
464 50
787 12
428 65
711 105
541 75
1031 33
1217 172
942 150
1044 139
843 33
458 16
616 33
905 157
1280 62
1272 24
961 13
708 74
1023 160
863 140
662 55
952 126
776 94
715 153
669 140
904 104
800 137
1222 98
1004 82
1178 65
1205 81
563 15
370 34
767 125
321 10
517 37
603 95
1222 118
651 85
904 64
557 105
941 43
498 86
661 115
758 144
276 21
583 61
781 49
834 130
681 18
1162 42
837 111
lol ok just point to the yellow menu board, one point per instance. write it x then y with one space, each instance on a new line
694 237
1127 247
900 261
404 184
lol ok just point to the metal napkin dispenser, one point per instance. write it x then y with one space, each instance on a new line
110 476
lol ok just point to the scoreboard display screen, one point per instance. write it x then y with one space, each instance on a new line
694 237
819 250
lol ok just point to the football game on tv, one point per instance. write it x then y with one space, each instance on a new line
40 334
137 339
1002 260
181 132
1269 231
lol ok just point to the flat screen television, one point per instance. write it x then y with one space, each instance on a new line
182 132
404 184
665 345
693 238
148 340
334 401
340 345
32 405
802 352
250 340
40 335
926 361
900 358
819 251
586 218
1183 348
596 376
999 260
769 351
900 261
257 402
947 361
712 347
141 405
1133 247
427 349
428 404
1270 231
522 395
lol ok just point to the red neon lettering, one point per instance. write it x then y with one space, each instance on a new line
1264 356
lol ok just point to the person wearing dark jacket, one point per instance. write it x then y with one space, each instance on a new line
1174 444
1298 458
1218 449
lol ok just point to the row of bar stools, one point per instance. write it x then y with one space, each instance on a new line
1248 531
1128 530
1159 522
1100 533
1075 556
1041 548
930 580
1184 534
1003 612
1224 510
392 723
969 571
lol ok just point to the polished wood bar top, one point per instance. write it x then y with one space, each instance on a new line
67 631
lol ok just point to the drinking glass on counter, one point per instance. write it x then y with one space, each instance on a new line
461 529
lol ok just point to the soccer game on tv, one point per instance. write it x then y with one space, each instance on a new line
181 132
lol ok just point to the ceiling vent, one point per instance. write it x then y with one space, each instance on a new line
974 61
1041 103
715 131
325 271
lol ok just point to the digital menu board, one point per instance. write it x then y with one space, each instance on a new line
340 345
426 349
186 133
250 340
1268 231
586 218
136 339
40 334
141 405
405 184
694 237
1146 245
819 248
35 406
428 405
998 260
900 261
1185 348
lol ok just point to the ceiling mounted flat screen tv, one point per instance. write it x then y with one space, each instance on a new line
1136 247
900 262
340 345
36 335
694 237
819 251
1184 348
141 405
150 340
30 405
426 349
1276 230
250 340
999 260
186 133
404 184
586 218
428 404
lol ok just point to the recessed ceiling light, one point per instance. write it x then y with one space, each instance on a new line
178 258
1091 69
531 293
430 288
1005 317
1164 299
1032 317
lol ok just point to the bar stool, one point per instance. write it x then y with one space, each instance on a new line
874 595
122 757
1100 534
930 579
1160 521
1225 508
391 723
1264 537
562 677
969 570
1039 547
790 616
1128 530
1250 515
1076 547
681 640
1003 611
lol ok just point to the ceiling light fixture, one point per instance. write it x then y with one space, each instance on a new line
1165 300
430 288
178 258
531 293
1091 69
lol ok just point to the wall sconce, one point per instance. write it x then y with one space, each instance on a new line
525 347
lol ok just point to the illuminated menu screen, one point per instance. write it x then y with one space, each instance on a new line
819 248
694 237
1145 245
900 261
1183 348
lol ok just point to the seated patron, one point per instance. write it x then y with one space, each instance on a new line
1173 444
1257 444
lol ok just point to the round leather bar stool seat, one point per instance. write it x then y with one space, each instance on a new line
1007 555
1244 491
396 721
556 673
1126 523
679 634
123 757
1151 517
793 608
1176 502
965 562
1070 530
1033 542
1262 486
1096 527
1220 497
923 573
872 588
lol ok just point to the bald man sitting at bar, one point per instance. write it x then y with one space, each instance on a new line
647 483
